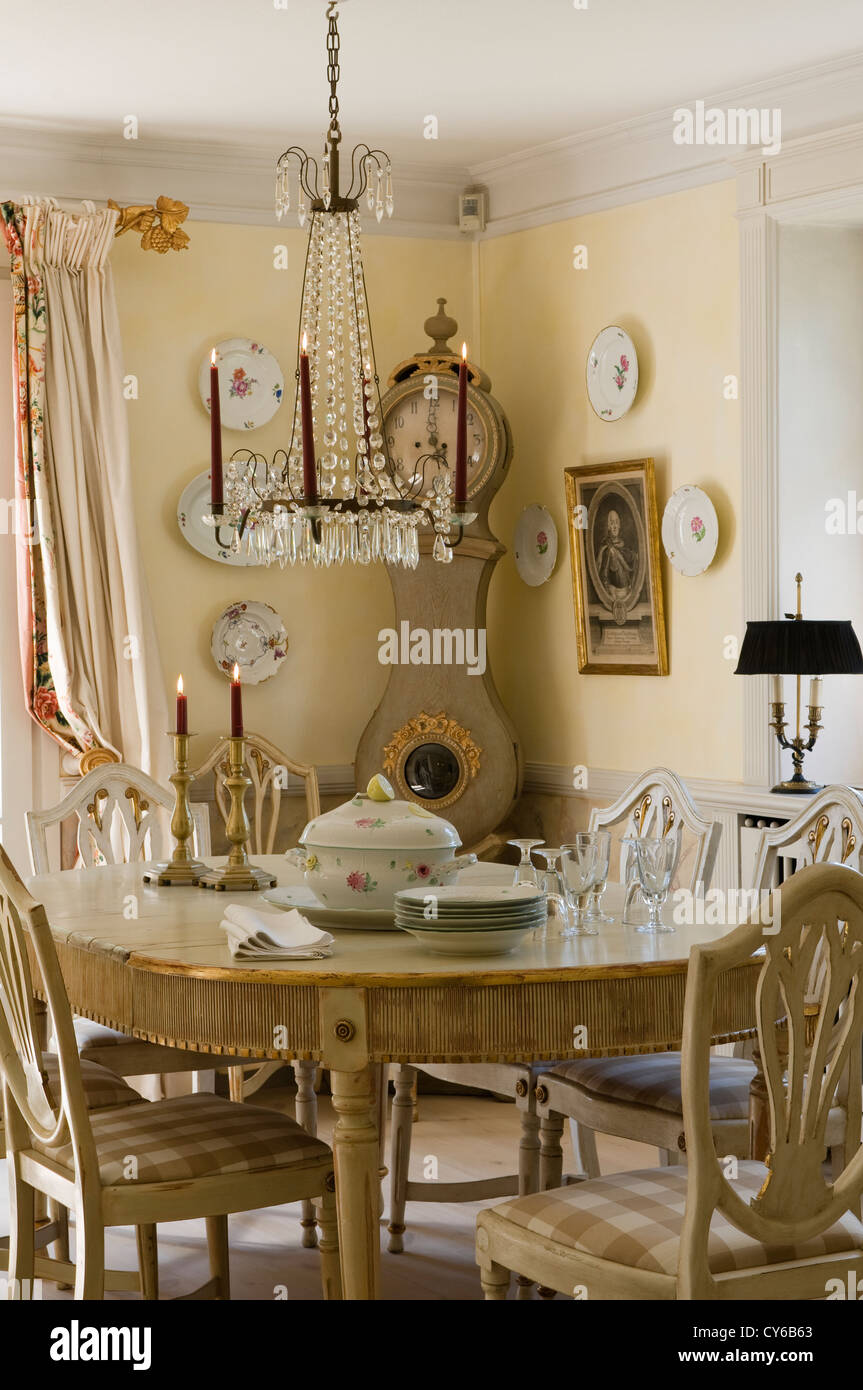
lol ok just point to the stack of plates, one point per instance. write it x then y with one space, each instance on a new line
465 921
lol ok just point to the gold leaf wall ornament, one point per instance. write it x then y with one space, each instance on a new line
159 226
432 728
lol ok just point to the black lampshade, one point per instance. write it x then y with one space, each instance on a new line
800 647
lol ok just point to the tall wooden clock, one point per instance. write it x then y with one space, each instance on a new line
441 733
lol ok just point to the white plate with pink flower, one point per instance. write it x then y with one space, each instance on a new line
251 383
612 373
535 545
690 530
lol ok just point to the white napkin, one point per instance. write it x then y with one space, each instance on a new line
273 935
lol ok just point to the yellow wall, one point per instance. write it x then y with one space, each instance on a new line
172 309
666 271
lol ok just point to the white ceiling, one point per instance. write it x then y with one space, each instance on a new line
500 75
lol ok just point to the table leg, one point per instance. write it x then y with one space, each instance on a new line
355 1145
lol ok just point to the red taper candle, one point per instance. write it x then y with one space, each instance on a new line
182 709
236 705
310 476
216 492
461 430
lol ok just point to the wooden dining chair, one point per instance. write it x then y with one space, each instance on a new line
121 815
657 801
777 1229
129 1164
641 1098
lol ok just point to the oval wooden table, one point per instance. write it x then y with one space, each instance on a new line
153 962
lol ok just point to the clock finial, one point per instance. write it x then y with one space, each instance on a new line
440 327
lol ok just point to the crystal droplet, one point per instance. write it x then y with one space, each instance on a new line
390 202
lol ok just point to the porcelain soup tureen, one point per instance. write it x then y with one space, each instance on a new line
362 853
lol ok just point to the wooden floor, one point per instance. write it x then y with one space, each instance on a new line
467 1135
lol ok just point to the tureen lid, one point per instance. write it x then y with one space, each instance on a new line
375 819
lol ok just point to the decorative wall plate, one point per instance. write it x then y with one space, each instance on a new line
612 373
690 530
193 506
253 635
535 545
252 383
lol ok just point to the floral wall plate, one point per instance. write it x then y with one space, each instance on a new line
253 635
251 383
193 506
612 373
535 545
690 530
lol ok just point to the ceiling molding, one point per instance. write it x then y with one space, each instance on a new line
220 183
638 159
627 162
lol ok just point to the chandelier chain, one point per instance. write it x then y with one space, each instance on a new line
333 69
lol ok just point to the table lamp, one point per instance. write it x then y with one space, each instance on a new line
795 646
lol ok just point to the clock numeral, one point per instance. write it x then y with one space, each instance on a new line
414 408
400 421
391 440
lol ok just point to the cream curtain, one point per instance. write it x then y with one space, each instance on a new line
101 642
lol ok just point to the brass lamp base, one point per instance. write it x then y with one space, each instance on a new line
242 878
175 875
798 785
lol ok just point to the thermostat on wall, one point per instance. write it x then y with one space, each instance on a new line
471 212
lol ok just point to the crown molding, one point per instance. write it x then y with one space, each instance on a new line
637 159
626 162
221 183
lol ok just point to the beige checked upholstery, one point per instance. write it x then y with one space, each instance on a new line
192 1137
636 1219
102 1089
621 1095
656 1082
774 1226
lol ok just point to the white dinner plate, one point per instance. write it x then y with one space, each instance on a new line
348 918
470 943
465 895
690 530
253 635
612 373
535 545
193 506
251 383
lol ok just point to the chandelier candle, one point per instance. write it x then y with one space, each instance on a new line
461 430
236 704
182 709
216 494
310 474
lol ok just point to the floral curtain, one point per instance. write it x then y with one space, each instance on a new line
89 658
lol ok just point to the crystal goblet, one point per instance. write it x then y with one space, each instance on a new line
580 870
526 871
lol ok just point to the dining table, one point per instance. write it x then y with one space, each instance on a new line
153 962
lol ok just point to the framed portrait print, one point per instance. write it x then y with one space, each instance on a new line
616 579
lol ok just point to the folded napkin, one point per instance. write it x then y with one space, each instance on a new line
254 935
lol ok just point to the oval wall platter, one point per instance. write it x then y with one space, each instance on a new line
612 373
193 506
253 635
535 545
690 530
251 383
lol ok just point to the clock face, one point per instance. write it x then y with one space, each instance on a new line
415 428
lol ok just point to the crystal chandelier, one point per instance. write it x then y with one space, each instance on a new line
333 496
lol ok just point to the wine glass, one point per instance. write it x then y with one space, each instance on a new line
526 871
656 861
558 923
594 911
580 868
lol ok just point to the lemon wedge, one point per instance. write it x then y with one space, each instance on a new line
379 789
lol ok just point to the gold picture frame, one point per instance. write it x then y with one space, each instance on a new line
616 577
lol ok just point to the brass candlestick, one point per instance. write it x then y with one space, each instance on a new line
181 869
238 875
